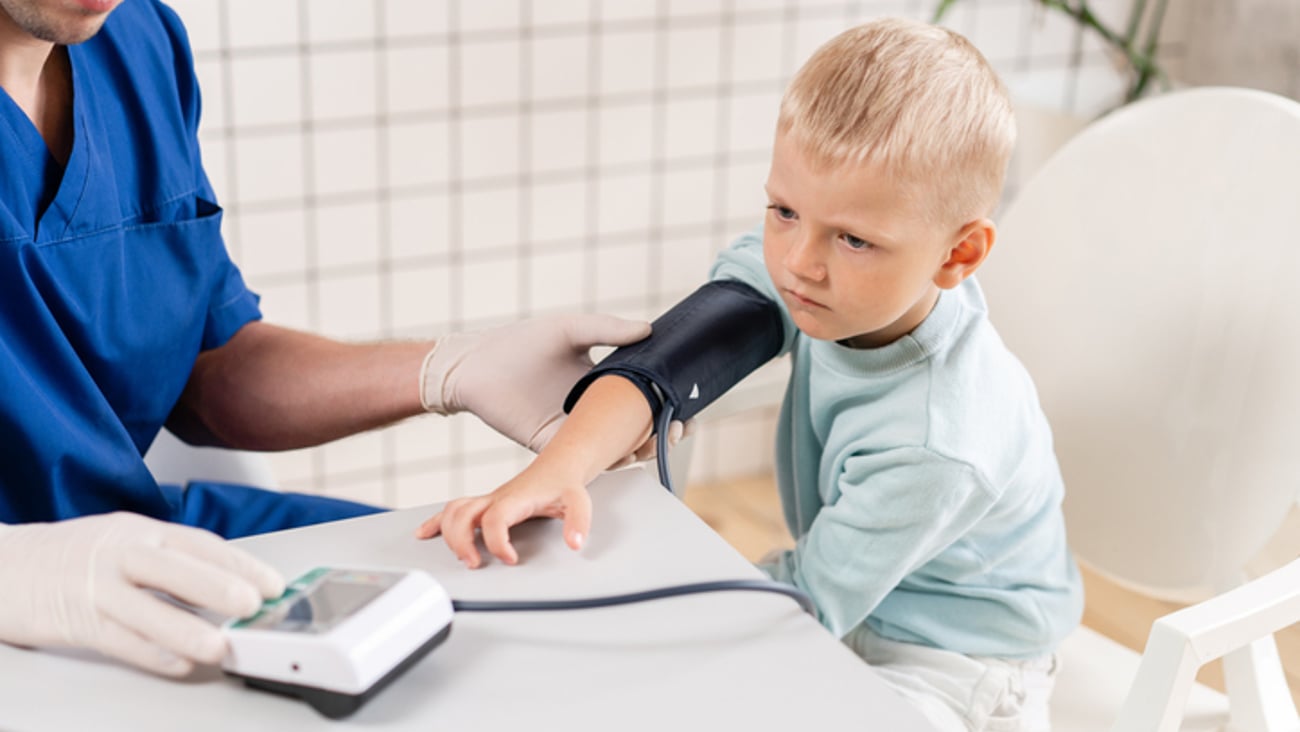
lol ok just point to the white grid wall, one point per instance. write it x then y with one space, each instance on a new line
401 168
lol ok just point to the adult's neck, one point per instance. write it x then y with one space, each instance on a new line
38 76
22 61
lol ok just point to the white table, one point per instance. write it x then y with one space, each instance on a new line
720 661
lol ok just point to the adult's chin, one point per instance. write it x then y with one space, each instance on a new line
66 23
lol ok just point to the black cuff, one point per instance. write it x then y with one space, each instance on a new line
698 350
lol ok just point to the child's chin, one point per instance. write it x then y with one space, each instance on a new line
815 329
822 333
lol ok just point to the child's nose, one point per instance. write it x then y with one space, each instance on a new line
803 259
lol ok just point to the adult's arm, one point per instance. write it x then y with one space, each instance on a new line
271 388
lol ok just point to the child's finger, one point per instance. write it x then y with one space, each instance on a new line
430 528
458 525
577 517
496 534
503 514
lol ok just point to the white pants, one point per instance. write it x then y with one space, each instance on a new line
960 693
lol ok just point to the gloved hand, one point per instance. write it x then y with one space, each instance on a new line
515 377
86 582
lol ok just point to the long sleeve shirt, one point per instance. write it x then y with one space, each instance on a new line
920 483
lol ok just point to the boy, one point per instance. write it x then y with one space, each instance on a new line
914 463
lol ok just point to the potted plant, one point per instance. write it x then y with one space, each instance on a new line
1132 47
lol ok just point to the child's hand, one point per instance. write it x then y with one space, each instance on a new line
533 492
609 421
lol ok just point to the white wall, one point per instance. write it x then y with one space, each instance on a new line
1251 43
402 168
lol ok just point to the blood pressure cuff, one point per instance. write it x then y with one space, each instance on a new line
697 350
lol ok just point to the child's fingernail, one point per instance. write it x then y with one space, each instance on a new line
577 541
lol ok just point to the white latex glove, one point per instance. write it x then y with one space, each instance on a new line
86 583
515 377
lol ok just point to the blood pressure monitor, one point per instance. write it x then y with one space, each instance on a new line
337 636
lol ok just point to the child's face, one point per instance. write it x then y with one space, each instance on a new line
855 260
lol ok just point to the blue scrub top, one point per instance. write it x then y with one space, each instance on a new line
113 277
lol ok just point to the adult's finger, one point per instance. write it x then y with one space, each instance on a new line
218 552
542 436
586 331
163 624
650 448
192 579
116 641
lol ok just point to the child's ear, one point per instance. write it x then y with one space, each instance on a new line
967 253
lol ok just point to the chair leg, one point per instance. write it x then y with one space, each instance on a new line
1158 695
1258 696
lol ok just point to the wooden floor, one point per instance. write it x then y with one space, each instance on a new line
747 513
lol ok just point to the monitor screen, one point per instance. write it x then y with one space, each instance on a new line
321 600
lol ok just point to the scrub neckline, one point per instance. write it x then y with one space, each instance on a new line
61 207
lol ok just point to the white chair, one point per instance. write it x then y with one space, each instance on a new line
173 461
1146 277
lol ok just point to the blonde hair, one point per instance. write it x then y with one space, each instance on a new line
917 99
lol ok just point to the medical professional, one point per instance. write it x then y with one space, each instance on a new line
121 313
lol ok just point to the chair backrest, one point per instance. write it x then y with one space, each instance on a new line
173 461
1146 276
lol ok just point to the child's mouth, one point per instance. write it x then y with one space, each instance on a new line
806 302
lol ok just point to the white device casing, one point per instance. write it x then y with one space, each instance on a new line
354 654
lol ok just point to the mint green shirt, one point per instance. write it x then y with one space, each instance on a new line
919 482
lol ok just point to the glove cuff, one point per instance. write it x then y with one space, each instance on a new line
436 394
431 389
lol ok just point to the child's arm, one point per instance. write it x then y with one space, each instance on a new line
610 420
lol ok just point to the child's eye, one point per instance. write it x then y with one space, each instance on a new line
856 243
783 213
